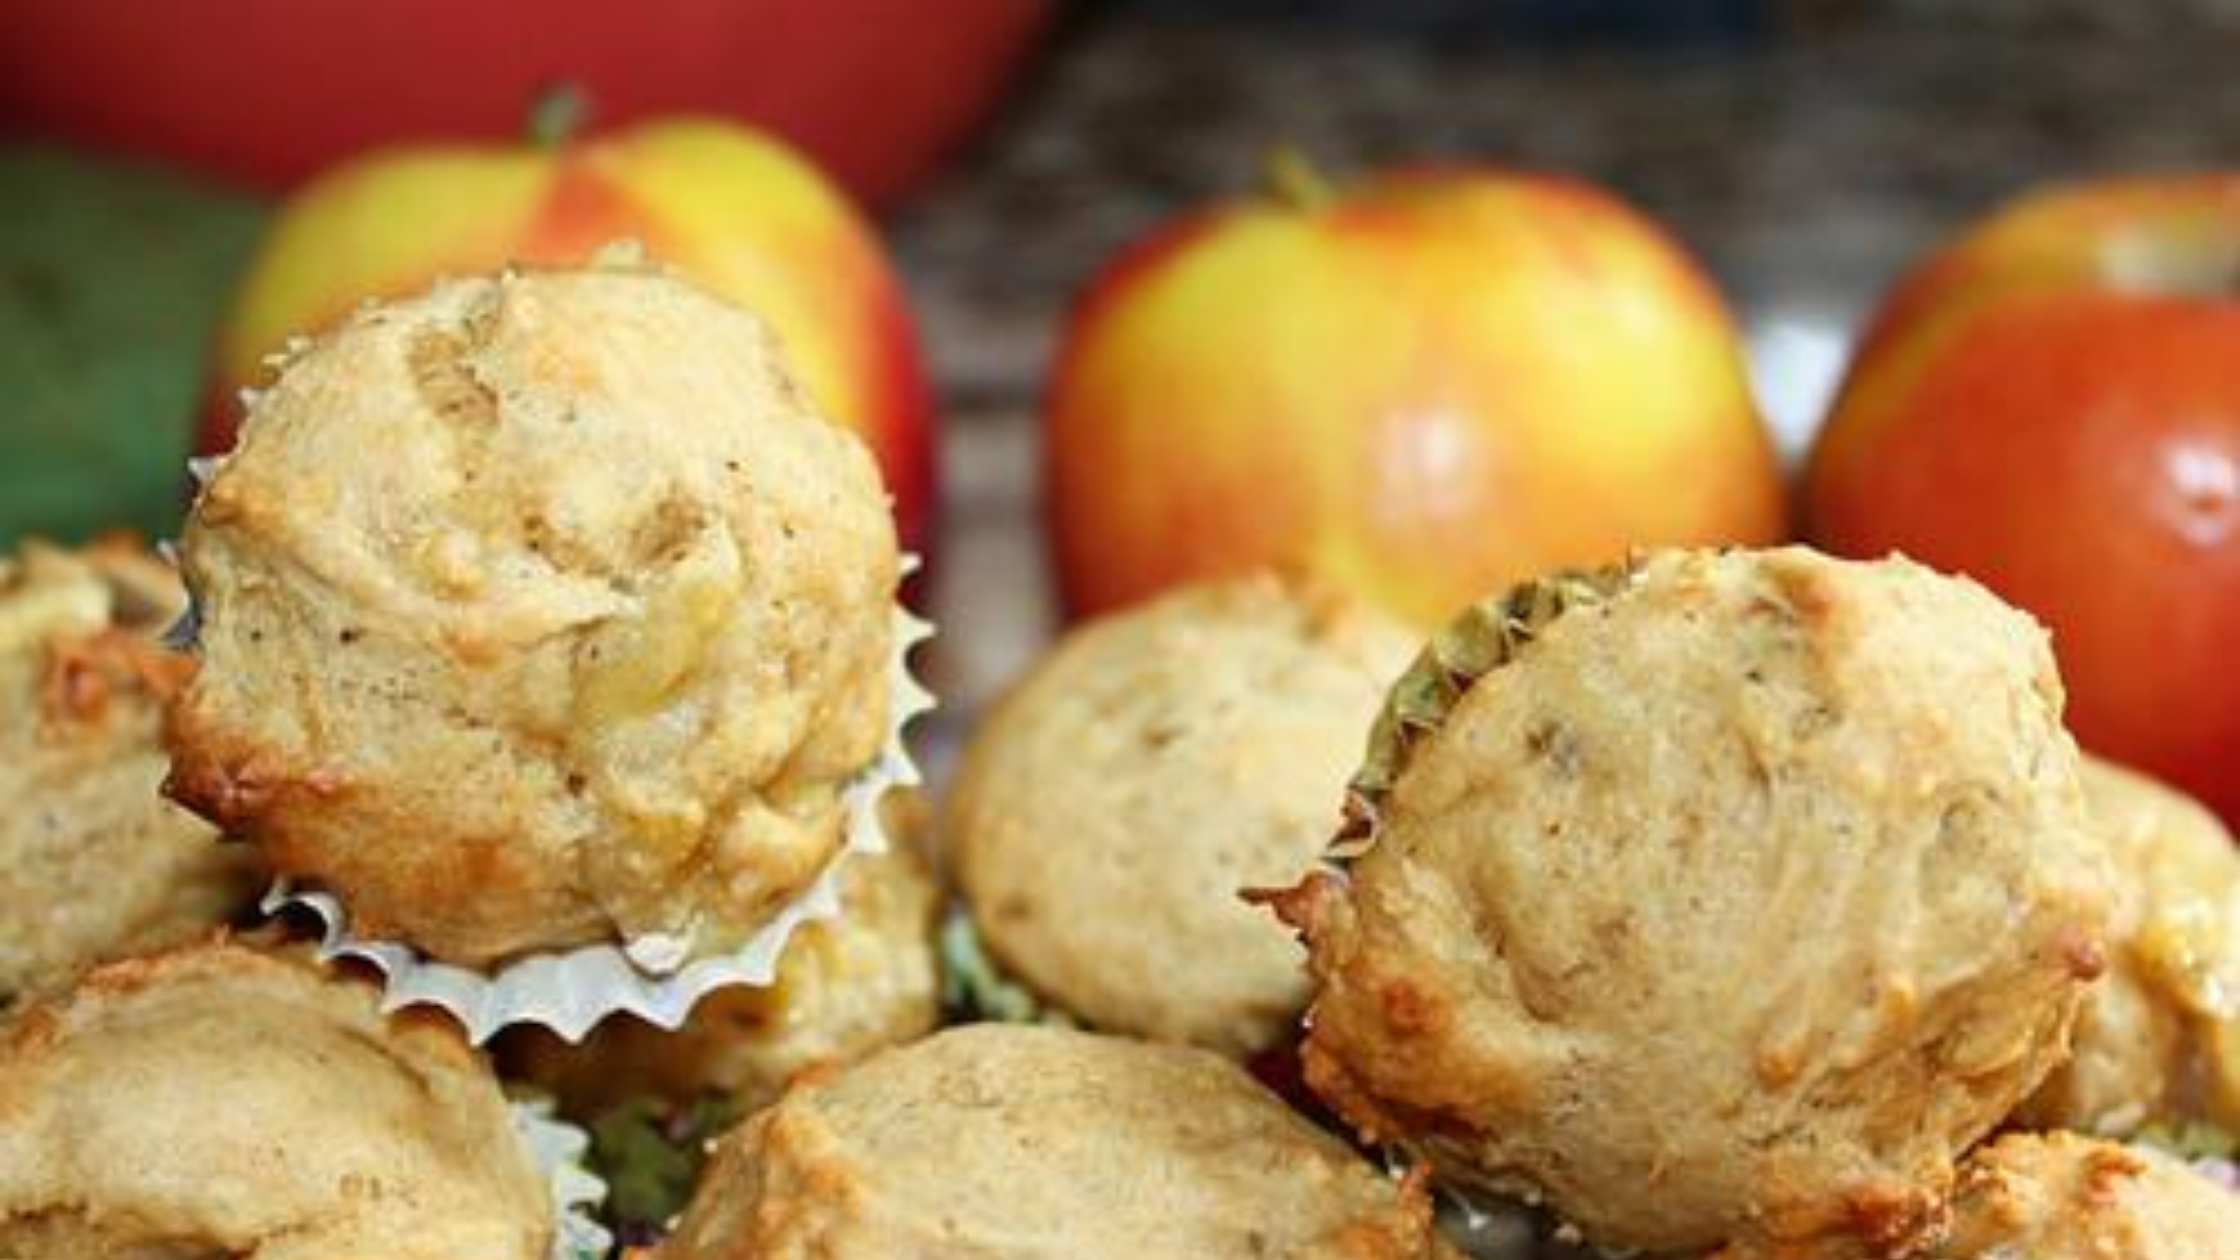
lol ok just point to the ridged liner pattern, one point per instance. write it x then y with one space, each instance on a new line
558 1149
1486 636
651 977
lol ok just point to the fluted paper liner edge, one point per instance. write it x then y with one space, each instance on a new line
558 1148
569 991
1483 638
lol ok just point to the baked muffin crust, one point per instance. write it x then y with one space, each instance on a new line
539 610
94 863
1726 895
223 1101
1032 1143
1157 762
2158 1042
2059 1196
2063 1196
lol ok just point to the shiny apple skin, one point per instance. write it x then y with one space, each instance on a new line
731 208
1433 384
2051 405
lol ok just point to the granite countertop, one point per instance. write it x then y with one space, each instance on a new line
1805 169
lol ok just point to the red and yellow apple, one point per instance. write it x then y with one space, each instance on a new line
1420 387
735 210
2051 404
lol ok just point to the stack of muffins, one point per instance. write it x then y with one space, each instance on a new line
1749 904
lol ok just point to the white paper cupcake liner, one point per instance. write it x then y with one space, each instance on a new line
651 977
558 1149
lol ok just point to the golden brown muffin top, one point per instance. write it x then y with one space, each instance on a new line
93 861
1727 894
539 610
2159 1040
1027 1143
2063 1196
2060 1196
227 1101
1156 763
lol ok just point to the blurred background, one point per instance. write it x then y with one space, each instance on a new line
1806 153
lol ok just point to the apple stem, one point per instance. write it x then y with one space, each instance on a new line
556 114
1293 179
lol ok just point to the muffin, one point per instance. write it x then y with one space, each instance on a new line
997 1140
2158 1043
219 1100
540 610
2064 1197
1108 812
1725 895
2061 1196
94 863
845 987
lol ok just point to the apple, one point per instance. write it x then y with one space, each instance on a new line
2051 404
1423 386
273 90
733 209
